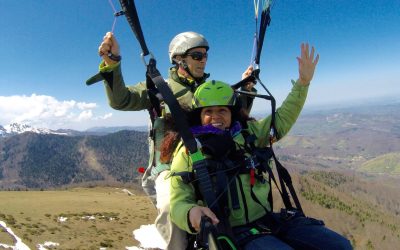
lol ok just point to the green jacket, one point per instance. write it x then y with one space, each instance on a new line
183 195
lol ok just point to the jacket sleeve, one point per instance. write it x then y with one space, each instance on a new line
119 96
182 197
285 116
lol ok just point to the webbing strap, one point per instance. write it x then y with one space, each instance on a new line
285 178
205 184
264 156
207 191
129 9
232 186
241 83
255 78
154 78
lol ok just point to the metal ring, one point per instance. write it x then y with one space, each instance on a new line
144 61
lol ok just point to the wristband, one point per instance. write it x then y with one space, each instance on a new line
114 57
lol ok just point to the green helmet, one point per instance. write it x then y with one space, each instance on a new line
213 93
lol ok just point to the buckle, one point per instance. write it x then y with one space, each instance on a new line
251 162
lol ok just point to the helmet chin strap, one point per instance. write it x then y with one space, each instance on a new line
184 65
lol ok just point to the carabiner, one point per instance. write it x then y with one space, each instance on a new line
142 55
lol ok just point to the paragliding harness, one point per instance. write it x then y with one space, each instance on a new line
221 235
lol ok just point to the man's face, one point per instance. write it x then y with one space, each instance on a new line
196 60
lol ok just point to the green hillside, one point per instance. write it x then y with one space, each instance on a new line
387 164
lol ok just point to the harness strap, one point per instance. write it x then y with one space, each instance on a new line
283 192
179 116
221 183
232 185
253 195
285 177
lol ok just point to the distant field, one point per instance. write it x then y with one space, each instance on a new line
34 215
387 163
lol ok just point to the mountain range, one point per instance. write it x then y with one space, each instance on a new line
364 139
18 128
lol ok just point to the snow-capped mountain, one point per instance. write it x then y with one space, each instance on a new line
16 128
2 131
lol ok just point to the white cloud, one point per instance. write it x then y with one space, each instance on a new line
47 111
83 105
85 115
105 117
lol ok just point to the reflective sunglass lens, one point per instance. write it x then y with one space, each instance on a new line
198 56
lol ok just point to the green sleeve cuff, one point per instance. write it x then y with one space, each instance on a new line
107 68
298 86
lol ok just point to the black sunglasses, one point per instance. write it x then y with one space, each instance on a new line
197 55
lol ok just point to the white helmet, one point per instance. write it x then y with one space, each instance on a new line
185 41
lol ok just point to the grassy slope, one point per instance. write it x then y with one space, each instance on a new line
32 215
349 206
387 163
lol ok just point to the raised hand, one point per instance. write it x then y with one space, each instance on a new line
307 64
249 85
108 47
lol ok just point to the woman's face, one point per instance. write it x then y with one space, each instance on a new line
218 116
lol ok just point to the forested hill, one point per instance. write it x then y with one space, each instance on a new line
31 160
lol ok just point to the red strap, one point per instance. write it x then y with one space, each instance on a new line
252 179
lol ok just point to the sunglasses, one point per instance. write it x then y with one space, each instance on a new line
197 55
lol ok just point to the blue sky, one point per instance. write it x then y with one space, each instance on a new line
49 49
